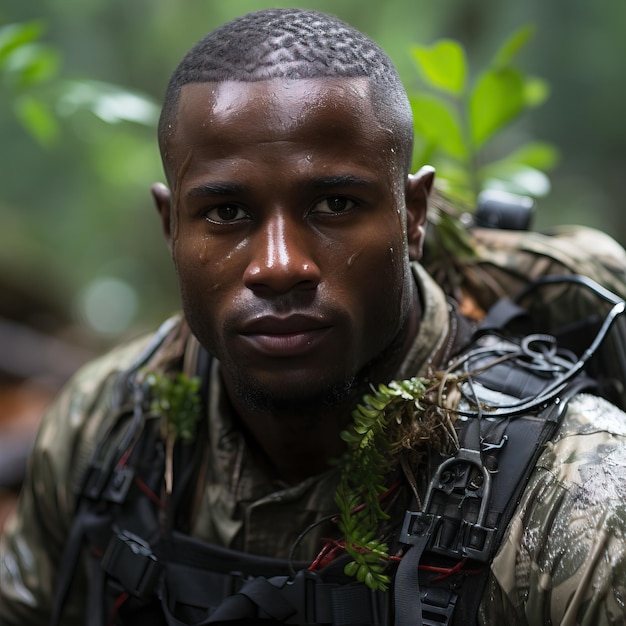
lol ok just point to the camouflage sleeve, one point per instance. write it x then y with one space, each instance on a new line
34 537
563 560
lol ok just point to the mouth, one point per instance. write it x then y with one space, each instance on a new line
289 336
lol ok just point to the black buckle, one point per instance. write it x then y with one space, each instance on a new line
450 536
110 485
447 536
437 606
308 599
130 560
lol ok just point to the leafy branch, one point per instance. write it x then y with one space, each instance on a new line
459 122
393 417
176 401
456 117
30 75
26 65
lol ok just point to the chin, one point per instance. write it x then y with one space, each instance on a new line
300 397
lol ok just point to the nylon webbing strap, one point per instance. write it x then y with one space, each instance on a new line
269 597
408 607
354 604
69 560
305 599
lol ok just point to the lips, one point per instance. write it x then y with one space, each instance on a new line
289 336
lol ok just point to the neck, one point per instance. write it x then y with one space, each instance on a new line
299 438
298 441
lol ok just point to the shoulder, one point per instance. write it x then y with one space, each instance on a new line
84 410
565 550
132 354
33 539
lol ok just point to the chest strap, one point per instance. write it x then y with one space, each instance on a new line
198 583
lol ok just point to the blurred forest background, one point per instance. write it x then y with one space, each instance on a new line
81 255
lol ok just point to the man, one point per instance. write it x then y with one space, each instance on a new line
290 210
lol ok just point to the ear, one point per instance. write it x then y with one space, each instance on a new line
163 201
418 189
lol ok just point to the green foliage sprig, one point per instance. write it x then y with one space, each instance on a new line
30 73
176 401
26 65
457 115
379 427
460 118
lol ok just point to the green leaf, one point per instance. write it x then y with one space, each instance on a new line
442 65
14 36
36 118
536 91
434 119
453 180
32 64
108 102
362 477
537 154
497 99
509 49
455 238
516 178
351 568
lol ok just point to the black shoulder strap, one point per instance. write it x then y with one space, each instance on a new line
104 491
472 495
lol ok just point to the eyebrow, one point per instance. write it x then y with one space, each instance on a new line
341 180
216 189
233 188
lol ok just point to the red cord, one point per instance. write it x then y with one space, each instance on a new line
332 547
119 601
448 571
148 492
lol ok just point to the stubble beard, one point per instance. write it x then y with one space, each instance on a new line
311 404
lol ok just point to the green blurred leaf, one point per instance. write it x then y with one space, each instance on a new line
112 104
32 64
509 49
454 181
536 154
516 178
499 96
536 91
37 119
435 119
14 36
442 65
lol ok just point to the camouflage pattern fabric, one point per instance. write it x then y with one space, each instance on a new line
503 262
564 557
508 260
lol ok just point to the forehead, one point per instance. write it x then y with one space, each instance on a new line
320 114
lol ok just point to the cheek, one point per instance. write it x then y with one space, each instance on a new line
201 270
380 269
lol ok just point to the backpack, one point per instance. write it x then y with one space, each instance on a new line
547 273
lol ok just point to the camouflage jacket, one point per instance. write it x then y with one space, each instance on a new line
562 560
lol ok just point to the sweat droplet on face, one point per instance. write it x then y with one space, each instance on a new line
352 259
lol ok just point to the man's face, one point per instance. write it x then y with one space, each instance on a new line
288 232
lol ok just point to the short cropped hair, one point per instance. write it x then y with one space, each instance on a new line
293 44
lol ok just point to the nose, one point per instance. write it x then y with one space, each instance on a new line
281 260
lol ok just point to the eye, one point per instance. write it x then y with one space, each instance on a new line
333 205
225 214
